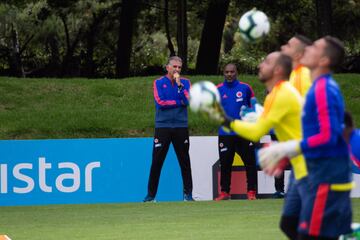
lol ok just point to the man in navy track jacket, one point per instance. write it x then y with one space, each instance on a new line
171 95
235 94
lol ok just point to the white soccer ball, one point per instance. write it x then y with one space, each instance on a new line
253 25
203 95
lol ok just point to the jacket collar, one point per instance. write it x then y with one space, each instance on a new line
231 84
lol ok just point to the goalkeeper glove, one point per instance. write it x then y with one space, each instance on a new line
278 168
269 157
251 114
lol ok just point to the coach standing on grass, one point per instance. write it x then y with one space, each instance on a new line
171 94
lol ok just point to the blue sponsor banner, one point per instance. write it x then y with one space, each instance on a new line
34 172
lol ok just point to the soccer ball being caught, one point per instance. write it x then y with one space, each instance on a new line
253 25
203 95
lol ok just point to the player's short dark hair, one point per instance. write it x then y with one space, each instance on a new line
348 121
304 40
285 62
231 64
335 51
174 58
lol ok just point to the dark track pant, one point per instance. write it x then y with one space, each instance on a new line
228 145
179 137
279 183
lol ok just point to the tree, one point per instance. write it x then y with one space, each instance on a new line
128 14
16 66
66 11
98 16
323 17
108 38
182 32
17 32
210 43
167 29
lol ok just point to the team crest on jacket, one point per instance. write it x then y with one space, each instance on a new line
224 96
164 86
157 144
221 145
239 94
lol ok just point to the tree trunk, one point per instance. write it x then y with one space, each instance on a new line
70 64
210 43
323 17
124 44
228 37
91 36
182 32
54 61
66 59
167 29
15 63
89 55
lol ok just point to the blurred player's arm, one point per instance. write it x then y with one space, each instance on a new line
251 131
266 117
272 155
276 108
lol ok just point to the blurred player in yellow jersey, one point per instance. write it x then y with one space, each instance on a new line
282 112
300 76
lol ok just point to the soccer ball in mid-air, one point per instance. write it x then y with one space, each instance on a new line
253 25
203 95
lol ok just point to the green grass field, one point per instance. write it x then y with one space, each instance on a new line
102 108
240 219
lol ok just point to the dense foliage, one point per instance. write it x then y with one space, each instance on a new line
86 37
